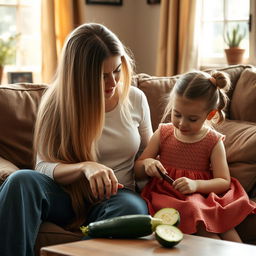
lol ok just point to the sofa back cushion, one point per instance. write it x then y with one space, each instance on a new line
244 97
157 91
234 73
240 146
18 106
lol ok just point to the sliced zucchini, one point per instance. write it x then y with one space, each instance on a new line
128 226
169 216
167 235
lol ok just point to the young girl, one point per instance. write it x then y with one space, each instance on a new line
210 202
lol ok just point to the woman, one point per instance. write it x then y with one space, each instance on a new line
90 126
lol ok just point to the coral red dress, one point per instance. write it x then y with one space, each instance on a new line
218 212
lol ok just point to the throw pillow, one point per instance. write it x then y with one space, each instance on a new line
18 106
240 144
244 97
154 86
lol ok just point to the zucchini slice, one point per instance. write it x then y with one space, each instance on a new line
169 216
128 226
167 235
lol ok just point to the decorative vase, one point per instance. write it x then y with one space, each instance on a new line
234 55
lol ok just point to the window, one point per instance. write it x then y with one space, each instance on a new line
219 16
22 17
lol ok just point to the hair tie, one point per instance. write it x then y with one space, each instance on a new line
213 81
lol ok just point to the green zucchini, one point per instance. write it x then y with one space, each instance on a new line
169 216
128 226
167 235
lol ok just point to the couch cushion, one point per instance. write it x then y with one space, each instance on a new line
157 91
241 150
234 72
246 229
162 86
244 97
18 107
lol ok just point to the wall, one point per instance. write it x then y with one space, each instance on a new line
136 24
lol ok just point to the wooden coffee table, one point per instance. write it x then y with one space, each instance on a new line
148 246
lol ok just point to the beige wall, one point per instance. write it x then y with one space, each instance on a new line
136 24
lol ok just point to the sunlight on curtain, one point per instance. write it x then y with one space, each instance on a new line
59 18
178 40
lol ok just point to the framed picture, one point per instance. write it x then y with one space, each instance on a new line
153 1
20 77
107 2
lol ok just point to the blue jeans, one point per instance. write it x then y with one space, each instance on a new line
27 198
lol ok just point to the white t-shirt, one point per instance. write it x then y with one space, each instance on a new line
120 141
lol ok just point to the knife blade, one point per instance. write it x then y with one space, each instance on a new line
166 177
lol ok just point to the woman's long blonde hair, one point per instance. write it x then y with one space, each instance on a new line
71 114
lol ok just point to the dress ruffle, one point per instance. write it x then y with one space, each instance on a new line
218 212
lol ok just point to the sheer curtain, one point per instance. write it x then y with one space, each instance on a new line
178 37
59 18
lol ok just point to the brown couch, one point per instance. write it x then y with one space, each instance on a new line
18 107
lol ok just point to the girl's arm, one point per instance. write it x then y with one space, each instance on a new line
146 165
220 169
221 176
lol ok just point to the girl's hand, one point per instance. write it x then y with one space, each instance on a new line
152 166
102 179
185 185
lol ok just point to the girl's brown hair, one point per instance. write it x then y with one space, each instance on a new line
200 85
71 114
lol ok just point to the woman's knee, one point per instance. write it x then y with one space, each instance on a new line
131 203
22 177
125 202
23 181
17 188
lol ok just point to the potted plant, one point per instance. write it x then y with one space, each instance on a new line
7 50
233 39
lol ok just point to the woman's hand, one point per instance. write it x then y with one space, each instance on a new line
152 166
185 185
102 179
